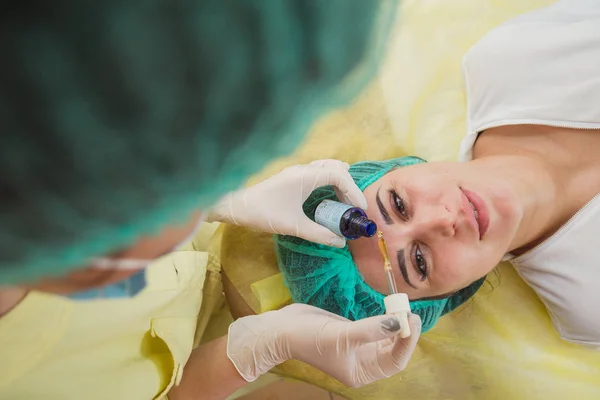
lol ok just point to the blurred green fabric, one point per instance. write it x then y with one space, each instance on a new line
121 117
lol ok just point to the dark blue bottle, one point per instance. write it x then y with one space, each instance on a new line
344 220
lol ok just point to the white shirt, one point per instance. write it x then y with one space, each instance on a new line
544 68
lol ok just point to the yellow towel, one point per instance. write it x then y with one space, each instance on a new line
501 345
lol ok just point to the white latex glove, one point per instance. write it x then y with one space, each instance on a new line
355 353
275 205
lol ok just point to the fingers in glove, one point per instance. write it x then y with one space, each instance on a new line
330 163
313 312
340 196
349 191
394 354
310 230
403 349
341 180
373 329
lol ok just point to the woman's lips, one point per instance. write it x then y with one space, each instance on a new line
480 211
470 212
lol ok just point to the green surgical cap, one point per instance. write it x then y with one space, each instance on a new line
121 117
326 277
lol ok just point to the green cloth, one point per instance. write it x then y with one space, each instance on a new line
327 277
122 117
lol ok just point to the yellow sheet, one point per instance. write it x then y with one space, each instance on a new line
501 345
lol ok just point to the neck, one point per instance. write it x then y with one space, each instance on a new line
10 297
536 188
553 172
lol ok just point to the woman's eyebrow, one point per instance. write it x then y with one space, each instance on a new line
384 213
402 264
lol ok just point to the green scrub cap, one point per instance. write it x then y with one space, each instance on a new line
326 277
121 117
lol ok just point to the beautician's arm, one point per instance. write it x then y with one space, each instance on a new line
208 374
355 353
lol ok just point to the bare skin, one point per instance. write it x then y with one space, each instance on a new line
532 180
572 160
534 177
147 248
198 382
208 374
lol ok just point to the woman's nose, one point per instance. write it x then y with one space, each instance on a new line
437 220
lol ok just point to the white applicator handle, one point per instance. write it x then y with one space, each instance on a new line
399 305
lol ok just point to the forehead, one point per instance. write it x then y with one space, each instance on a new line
420 171
398 174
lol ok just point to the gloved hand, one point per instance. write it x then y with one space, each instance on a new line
355 353
275 205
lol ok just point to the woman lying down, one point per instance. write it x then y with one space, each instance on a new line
527 191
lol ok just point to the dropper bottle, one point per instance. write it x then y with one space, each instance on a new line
396 303
344 220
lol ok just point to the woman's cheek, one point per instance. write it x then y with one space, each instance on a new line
474 264
453 268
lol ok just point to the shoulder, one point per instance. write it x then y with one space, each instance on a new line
564 271
539 68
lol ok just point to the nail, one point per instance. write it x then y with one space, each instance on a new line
336 242
391 324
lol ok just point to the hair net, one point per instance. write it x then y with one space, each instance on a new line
119 117
326 277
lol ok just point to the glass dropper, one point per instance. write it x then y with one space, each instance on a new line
387 265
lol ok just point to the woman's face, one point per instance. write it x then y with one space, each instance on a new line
445 225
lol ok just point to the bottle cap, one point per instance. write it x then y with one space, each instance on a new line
399 305
366 227
396 303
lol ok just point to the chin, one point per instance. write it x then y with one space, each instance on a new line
508 209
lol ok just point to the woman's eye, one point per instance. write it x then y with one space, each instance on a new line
399 203
420 262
